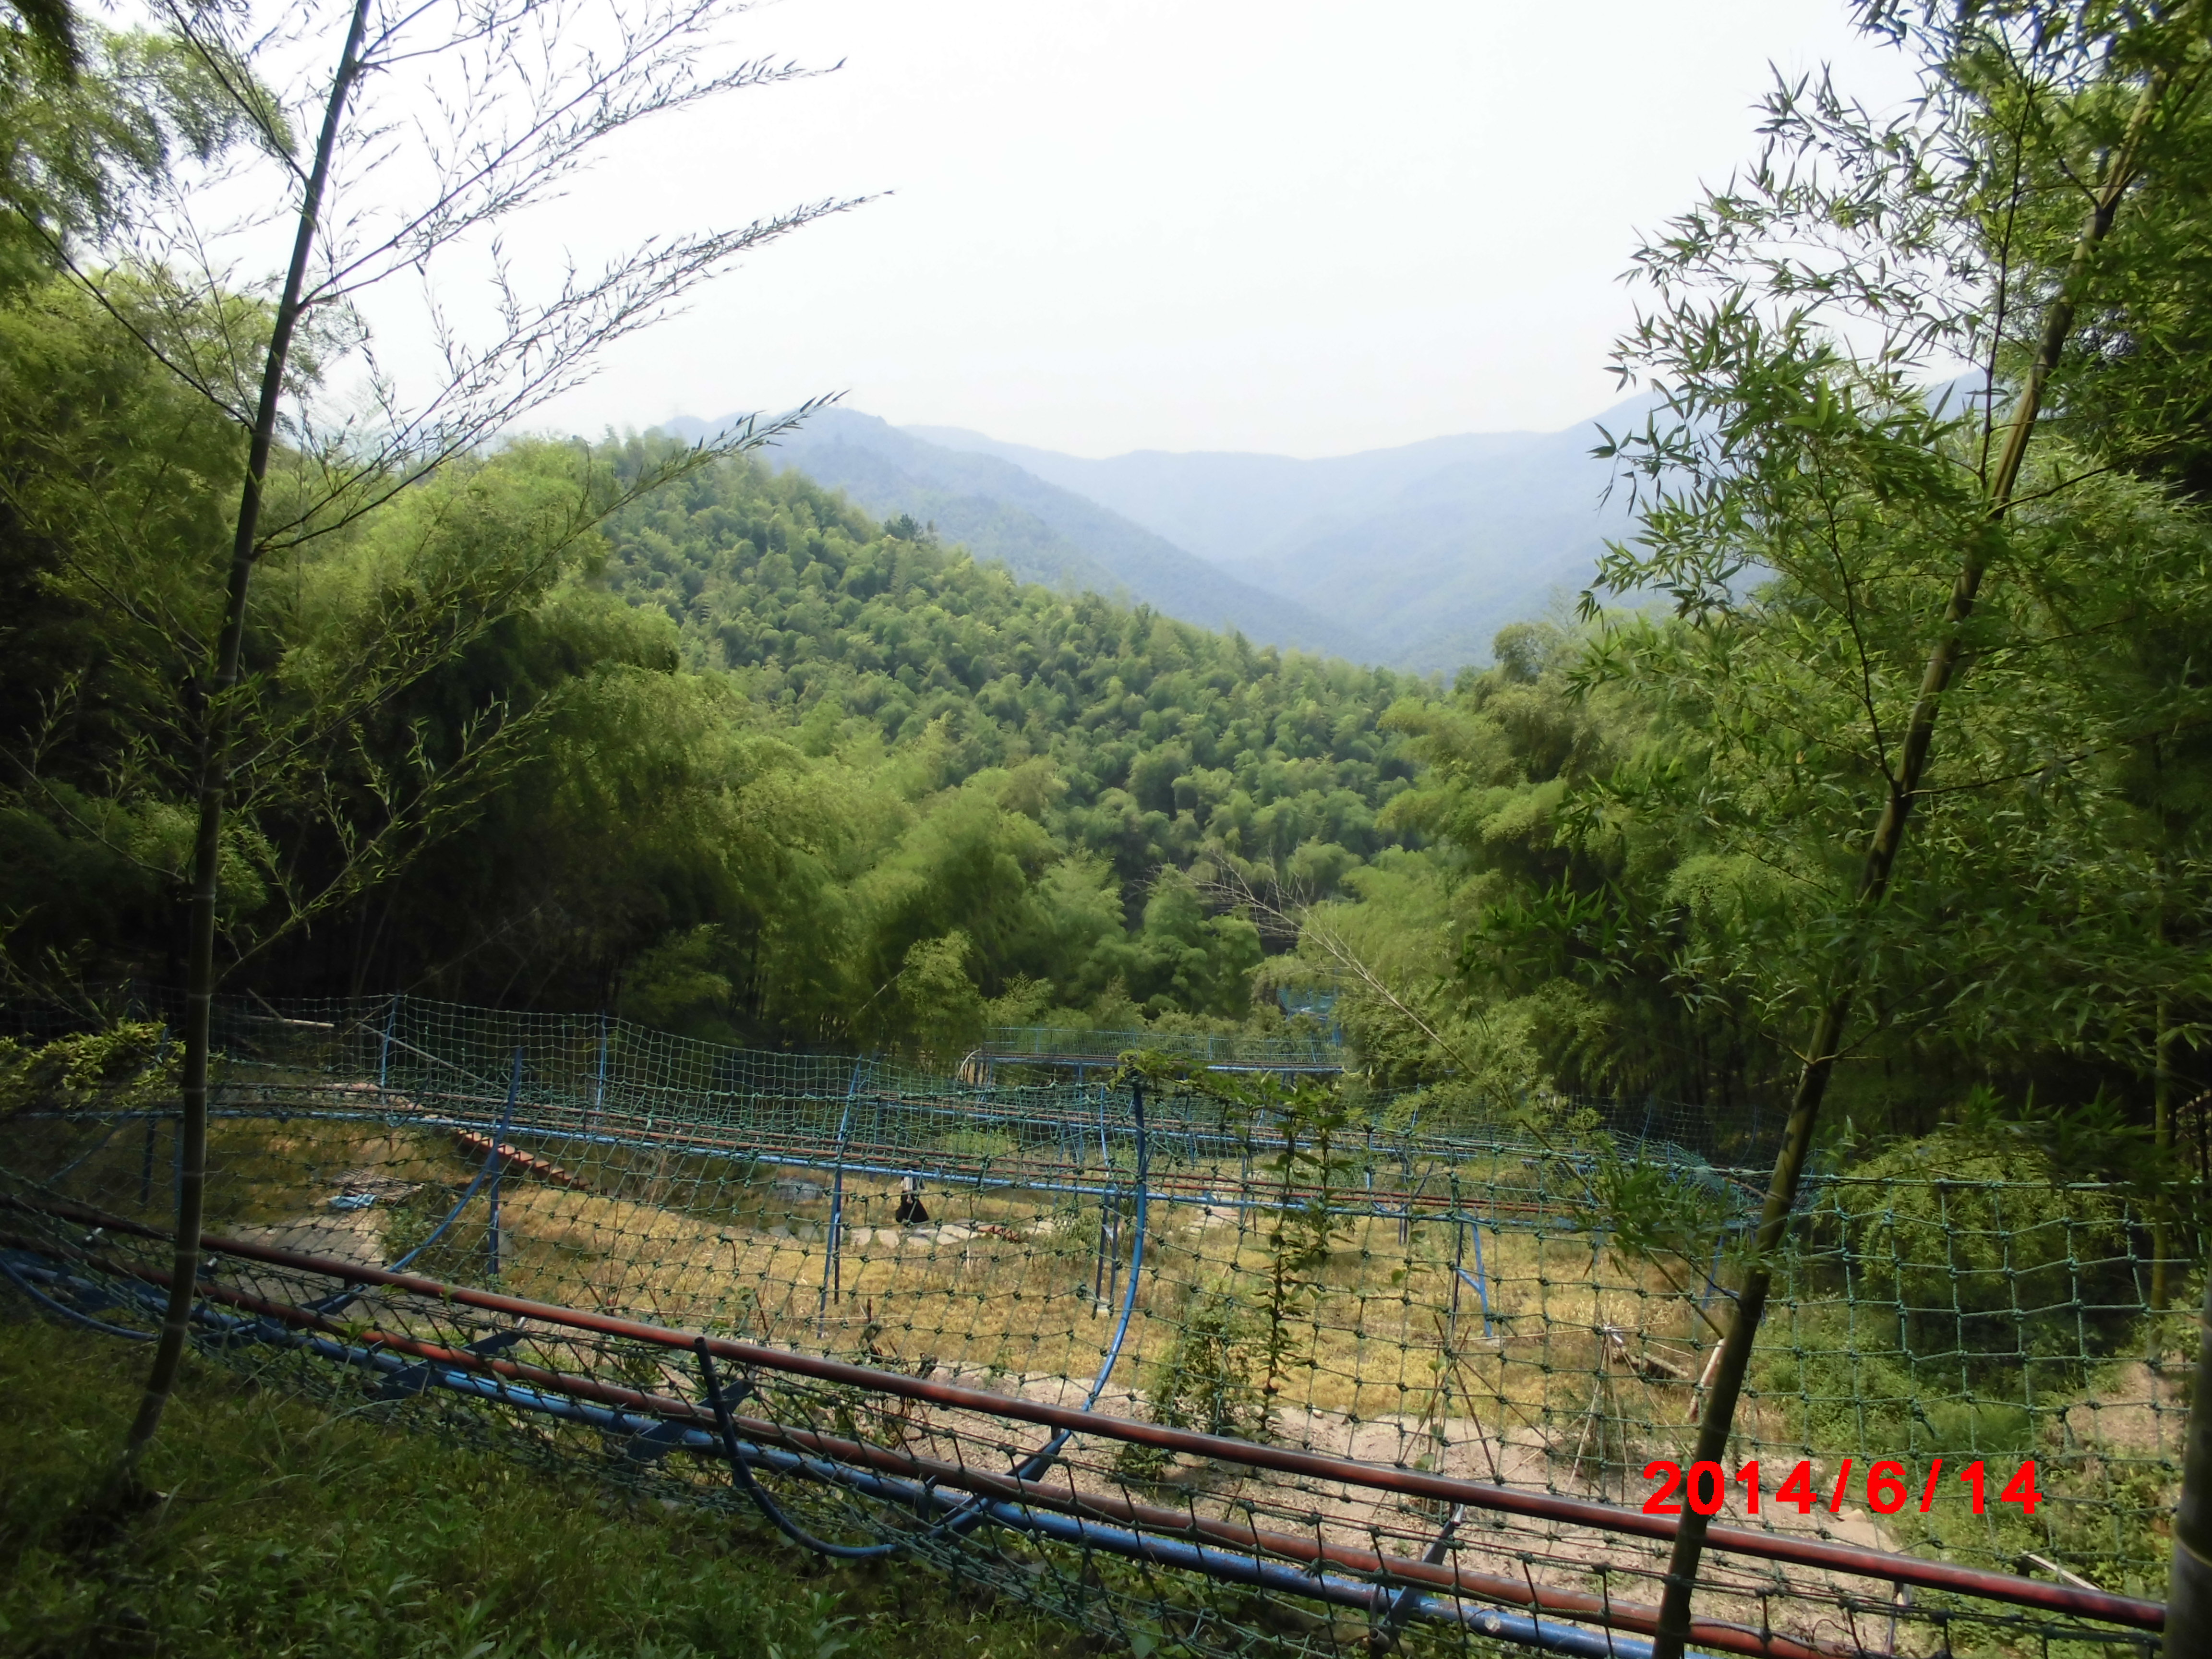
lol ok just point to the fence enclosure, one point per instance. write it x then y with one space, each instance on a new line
1220 1374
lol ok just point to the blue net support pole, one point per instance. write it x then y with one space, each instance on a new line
599 1079
383 1045
1114 1246
483 1173
1105 1211
499 1161
1712 1274
1391 1612
1464 1226
1481 1280
832 1282
1459 1252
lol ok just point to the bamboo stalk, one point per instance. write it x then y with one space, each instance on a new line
1718 1417
214 781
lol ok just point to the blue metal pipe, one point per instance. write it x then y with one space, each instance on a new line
1213 1561
1481 1277
836 1204
491 1163
75 1316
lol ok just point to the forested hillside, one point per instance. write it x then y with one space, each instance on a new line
723 752
572 724
1004 512
1167 743
1899 807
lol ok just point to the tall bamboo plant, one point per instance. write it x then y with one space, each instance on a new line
1830 527
488 139
213 767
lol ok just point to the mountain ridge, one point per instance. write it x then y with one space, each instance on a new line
1041 532
1411 556
1429 548
1171 490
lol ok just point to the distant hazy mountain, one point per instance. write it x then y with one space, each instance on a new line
1428 550
1042 532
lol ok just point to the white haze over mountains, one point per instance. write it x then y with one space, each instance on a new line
1411 557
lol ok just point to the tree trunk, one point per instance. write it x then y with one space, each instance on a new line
212 780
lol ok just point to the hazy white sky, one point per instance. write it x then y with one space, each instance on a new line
1193 224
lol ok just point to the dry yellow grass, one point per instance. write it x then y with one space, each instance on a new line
1001 1281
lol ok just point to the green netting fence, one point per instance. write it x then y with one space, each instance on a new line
1008 1045
1431 1318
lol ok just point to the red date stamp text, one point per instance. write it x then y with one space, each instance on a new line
1887 1487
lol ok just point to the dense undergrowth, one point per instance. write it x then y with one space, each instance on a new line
287 1531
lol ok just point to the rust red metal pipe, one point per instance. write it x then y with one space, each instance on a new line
1393 1571
1851 1559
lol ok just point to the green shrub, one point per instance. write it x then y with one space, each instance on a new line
976 1143
1209 1378
1958 1428
128 1066
1986 1256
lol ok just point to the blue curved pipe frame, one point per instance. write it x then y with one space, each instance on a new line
1549 1635
1042 1460
492 1163
968 1513
55 1305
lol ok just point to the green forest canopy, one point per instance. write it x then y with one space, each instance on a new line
782 775
745 764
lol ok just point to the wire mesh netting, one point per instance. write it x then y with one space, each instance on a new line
1016 1328
1066 1049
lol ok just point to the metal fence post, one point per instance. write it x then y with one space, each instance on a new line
599 1082
499 1159
832 1280
1451 1319
384 1047
1482 1279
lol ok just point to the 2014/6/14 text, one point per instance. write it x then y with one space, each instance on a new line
1888 1487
